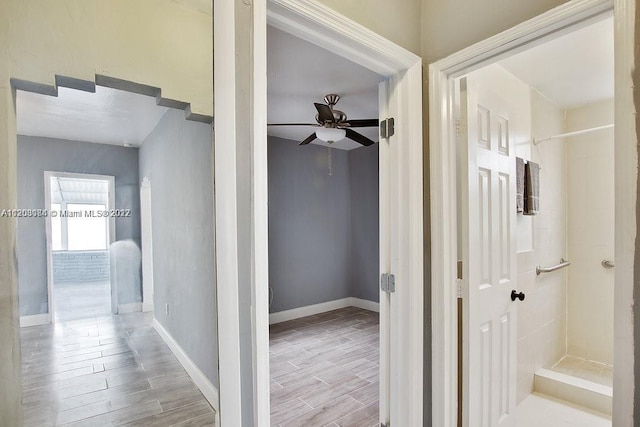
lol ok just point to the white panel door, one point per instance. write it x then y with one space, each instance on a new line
488 231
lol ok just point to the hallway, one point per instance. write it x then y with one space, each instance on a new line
106 371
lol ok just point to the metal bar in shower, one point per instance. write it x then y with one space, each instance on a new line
562 264
537 141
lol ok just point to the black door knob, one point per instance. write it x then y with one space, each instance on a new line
517 295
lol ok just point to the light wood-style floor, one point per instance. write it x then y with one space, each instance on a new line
324 370
106 371
74 301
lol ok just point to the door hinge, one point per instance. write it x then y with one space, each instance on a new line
387 282
460 127
459 285
387 128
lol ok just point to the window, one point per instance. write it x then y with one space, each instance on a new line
79 221
86 232
78 228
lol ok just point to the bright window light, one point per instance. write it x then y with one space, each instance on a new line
85 232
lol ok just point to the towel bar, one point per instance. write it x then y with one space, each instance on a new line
562 264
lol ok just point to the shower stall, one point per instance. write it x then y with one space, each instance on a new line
566 257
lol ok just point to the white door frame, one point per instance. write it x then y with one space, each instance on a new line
47 203
318 24
146 244
442 75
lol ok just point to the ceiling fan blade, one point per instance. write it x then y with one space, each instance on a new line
293 124
324 113
360 139
309 139
363 123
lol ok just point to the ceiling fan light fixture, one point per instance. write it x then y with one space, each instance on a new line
330 134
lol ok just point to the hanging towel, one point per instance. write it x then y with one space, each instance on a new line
519 184
531 188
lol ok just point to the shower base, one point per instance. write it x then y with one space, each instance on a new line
578 381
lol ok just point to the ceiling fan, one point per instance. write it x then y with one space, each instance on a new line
333 124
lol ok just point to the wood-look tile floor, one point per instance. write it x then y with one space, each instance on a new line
324 370
106 371
74 301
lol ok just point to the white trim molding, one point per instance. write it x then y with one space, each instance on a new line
35 320
226 209
133 307
558 21
147 306
314 22
241 208
146 244
323 307
199 378
626 215
364 304
112 230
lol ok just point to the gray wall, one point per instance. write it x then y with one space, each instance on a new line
37 155
308 224
176 157
80 266
365 220
311 254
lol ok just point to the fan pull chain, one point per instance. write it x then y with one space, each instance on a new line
329 158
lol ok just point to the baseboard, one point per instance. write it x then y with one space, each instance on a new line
310 310
202 382
365 304
34 320
147 306
129 308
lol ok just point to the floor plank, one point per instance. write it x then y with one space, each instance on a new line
324 369
106 371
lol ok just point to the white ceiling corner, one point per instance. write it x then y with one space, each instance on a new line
301 73
572 70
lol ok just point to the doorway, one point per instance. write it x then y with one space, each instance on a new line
324 236
125 140
80 229
400 195
555 24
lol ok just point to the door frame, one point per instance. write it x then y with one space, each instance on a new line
146 244
442 75
47 201
318 24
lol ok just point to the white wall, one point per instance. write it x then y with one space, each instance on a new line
451 25
590 224
154 42
542 316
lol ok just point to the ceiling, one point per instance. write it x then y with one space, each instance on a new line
79 190
301 73
571 70
108 116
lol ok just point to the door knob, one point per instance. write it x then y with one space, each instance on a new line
517 295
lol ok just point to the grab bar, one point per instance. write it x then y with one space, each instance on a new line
562 264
